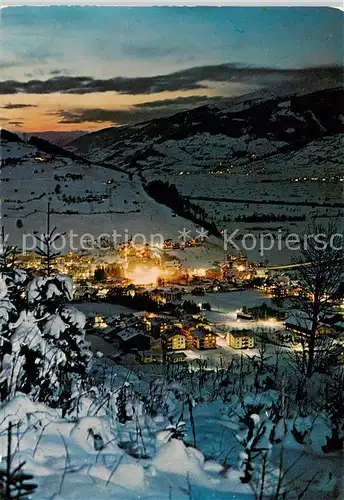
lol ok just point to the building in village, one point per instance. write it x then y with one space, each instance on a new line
262 272
188 325
303 326
335 321
241 339
281 291
173 263
131 339
159 356
203 338
198 334
175 357
150 356
173 339
157 325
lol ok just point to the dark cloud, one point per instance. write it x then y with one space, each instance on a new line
85 85
194 100
189 79
55 72
115 116
18 106
137 113
35 73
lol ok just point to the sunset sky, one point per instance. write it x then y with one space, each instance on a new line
85 68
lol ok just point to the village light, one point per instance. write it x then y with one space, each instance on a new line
199 272
141 275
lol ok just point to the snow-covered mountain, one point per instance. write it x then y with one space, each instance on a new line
241 131
255 164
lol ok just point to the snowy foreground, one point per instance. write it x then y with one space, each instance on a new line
66 465
91 453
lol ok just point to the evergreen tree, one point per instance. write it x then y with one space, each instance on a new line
43 348
46 248
14 483
8 253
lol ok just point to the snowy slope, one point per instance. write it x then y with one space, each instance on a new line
98 200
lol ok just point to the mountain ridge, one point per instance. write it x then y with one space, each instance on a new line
290 122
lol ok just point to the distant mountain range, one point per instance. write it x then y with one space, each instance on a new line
60 138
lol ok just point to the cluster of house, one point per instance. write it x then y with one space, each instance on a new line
161 338
175 245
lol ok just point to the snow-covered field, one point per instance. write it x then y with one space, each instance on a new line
102 201
228 303
230 216
307 185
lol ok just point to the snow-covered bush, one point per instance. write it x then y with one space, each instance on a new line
134 429
139 431
43 349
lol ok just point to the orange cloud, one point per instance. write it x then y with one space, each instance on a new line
42 111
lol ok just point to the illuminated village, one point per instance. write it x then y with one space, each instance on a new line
172 313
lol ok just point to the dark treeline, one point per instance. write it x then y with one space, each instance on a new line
167 194
137 300
305 203
270 218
